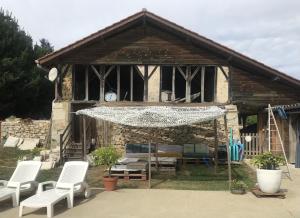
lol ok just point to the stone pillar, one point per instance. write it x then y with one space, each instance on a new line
60 120
222 86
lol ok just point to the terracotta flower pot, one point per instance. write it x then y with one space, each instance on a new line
110 183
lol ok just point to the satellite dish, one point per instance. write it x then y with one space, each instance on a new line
52 74
248 138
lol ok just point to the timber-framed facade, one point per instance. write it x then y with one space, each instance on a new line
145 59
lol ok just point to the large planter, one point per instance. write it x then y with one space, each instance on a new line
269 181
110 183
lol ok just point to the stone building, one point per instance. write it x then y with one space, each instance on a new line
147 60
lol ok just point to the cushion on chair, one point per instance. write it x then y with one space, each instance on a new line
188 148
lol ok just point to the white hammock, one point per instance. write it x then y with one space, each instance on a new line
154 116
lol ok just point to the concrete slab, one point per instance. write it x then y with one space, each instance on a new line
134 203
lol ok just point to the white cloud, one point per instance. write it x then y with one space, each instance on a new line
268 31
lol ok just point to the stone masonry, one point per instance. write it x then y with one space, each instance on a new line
25 129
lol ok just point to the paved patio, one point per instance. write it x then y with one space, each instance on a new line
130 203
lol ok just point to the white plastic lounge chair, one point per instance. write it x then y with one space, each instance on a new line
70 182
22 180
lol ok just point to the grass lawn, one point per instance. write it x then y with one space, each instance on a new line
189 177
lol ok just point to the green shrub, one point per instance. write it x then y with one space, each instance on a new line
267 161
238 185
107 156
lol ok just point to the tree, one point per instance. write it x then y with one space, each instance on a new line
24 91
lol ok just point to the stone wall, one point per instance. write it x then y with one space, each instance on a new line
202 133
25 129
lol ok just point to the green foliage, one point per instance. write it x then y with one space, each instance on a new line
36 151
24 91
267 161
107 156
238 185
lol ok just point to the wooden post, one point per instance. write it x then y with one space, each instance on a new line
149 163
73 82
102 83
173 84
202 83
131 83
84 139
118 83
188 85
146 77
216 145
160 82
56 89
86 83
228 151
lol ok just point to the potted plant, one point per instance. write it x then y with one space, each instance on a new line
107 156
268 172
238 187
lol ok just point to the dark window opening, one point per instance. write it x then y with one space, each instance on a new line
249 123
79 82
111 80
124 83
94 86
179 84
138 86
209 84
196 85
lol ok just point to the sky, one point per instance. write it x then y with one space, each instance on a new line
265 30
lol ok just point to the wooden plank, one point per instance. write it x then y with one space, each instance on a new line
86 83
131 83
173 83
160 82
118 83
202 83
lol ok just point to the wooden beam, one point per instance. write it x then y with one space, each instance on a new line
228 155
139 72
160 82
216 145
86 83
73 83
152 72
173 83
56 90
195 72
146 77
118 83
84 139
224 73
131 83
202 83
96 72
108 71
181 72
188 85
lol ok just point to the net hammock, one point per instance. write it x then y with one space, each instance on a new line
154 116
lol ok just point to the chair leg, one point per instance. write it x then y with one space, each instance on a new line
70 203
14 200
21 211
50 211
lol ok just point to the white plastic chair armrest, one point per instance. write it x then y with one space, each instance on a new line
42 184
3 182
